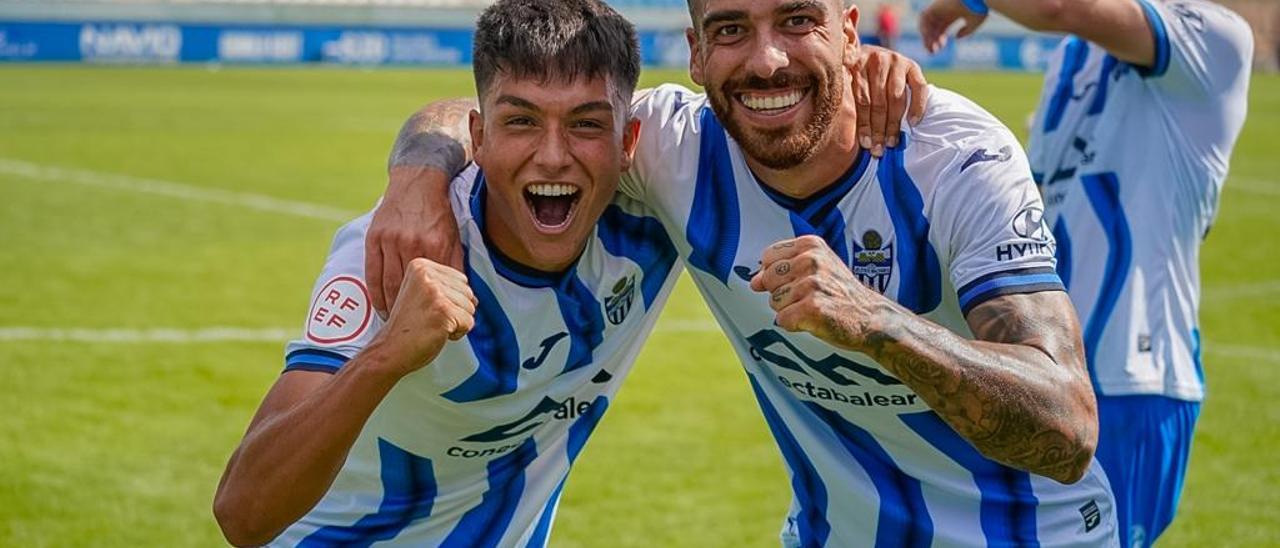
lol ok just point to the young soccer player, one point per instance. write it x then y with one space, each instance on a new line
455 421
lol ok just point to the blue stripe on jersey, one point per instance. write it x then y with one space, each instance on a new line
818 215
408 493
582 428
1109 64
314 359
582 318
831 230
1009 282
643 241
904 520
1197 352
487 523
543 531
919 274
1064 252
1104 195
714 222
1008 508
492 341
1158 31
1072 61
806 486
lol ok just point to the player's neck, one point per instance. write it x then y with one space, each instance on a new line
832 161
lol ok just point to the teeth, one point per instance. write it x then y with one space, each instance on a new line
552 190
772 102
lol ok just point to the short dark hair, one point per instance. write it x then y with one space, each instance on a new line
556 40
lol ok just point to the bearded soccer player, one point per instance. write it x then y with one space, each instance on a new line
388 432
1141 107
923 387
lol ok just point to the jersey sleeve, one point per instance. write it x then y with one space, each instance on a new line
340 320
666 152
991 222
1202 49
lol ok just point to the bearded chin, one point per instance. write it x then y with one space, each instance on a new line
788 147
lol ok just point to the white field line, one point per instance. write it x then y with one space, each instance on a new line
174 335
170 189
1255 353
1253 186
1241 291
157 335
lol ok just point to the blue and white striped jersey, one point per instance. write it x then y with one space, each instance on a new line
1131 162
944 222
473 449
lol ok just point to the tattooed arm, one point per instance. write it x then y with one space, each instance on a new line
1019 393
415 218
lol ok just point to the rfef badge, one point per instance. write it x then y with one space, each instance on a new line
340 313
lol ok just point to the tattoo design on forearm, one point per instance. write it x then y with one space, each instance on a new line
437 136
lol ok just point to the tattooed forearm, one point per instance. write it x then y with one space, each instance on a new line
1019 393
437 136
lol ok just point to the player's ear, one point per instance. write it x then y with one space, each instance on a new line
476 125
630 137
852 43
695 56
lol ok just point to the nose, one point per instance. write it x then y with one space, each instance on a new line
553 155
767 57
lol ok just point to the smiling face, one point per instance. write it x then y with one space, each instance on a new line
552 154
775 72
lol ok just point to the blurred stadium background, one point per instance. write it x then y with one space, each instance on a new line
171 172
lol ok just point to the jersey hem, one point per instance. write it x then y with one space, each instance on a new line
1177 392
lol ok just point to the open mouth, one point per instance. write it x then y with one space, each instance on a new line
552 205
772 102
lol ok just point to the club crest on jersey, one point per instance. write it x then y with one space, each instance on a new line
617 305
873 261
340 312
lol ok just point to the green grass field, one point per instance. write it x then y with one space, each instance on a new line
116 212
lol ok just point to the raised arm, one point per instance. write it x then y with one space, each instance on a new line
307 423
1119 26
415 219
1019 393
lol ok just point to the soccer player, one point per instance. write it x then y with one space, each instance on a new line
925 385
388 432
1141 107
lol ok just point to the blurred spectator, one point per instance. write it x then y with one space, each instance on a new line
887 28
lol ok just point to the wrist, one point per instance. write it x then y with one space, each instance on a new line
881 330
385 362
978 7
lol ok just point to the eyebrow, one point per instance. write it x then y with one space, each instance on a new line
801 5
580 109
722 16
592 106
516 102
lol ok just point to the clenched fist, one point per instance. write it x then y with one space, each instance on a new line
435 305
812 290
